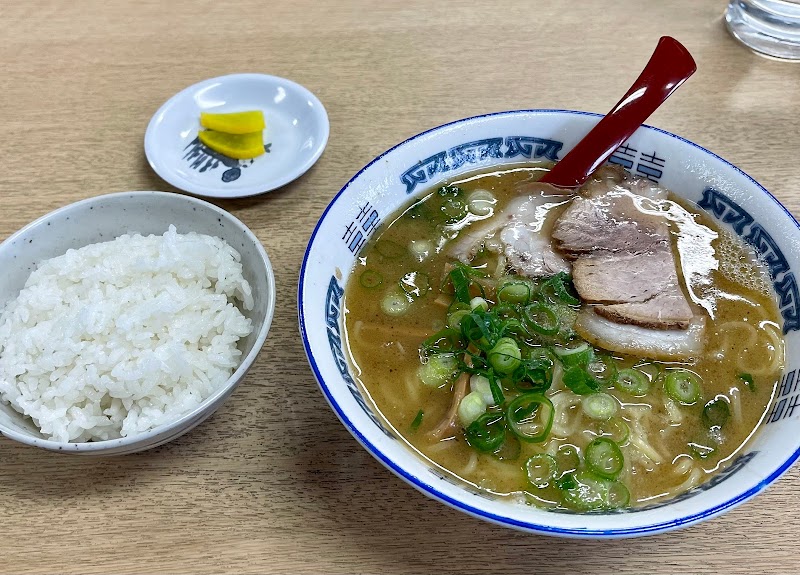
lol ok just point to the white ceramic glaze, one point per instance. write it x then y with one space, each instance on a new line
296 134
391 180
102 219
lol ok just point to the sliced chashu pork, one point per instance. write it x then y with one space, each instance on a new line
518 226
624 265
611 222
639 288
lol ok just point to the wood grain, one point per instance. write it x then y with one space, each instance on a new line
273 483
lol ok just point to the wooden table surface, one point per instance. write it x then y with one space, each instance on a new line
273 482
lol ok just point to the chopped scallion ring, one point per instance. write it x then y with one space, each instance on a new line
487 433
567 459
505 356
604 457
538 318
632 381
514 292
579 381
530 417
580 354
716 412
615 429
541 469
683 386
370 279
599 405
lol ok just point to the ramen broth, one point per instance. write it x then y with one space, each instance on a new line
400 294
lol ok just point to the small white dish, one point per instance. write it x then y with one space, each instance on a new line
296 134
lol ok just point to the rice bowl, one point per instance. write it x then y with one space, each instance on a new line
163 326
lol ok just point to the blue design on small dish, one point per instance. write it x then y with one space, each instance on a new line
202 158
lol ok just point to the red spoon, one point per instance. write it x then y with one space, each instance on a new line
668 68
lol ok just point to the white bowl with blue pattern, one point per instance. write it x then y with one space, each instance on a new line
104 218
730 196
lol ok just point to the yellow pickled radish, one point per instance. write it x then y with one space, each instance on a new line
238 146
234 123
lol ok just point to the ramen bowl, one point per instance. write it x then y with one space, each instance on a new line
734 200
101 219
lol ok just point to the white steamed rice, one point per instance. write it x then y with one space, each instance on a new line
116 338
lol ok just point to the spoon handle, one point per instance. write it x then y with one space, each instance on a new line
668 68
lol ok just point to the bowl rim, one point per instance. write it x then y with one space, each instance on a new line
431 490
164 170
230 384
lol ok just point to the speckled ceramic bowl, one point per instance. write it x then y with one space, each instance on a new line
101 219
726 193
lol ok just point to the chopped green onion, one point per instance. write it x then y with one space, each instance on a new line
459 277
538 318
633 382
580 354
683 386
514 327
453 209
506 311
497 391
477 328
389 249
417 421
562 289
530 417
567 481
505 356
618 495
395 303
514 291
438 370
534 374
472 406
481 384
478 303
449 190
585 492
510 449
604 369
580 382
541 469
604 457
481 202
421 249
454 319
445 340
456 305
716 412
651 370
748 381
486 433
415 284
599 405
567 459
615 429
370 279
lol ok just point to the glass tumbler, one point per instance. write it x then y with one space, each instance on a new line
771 27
